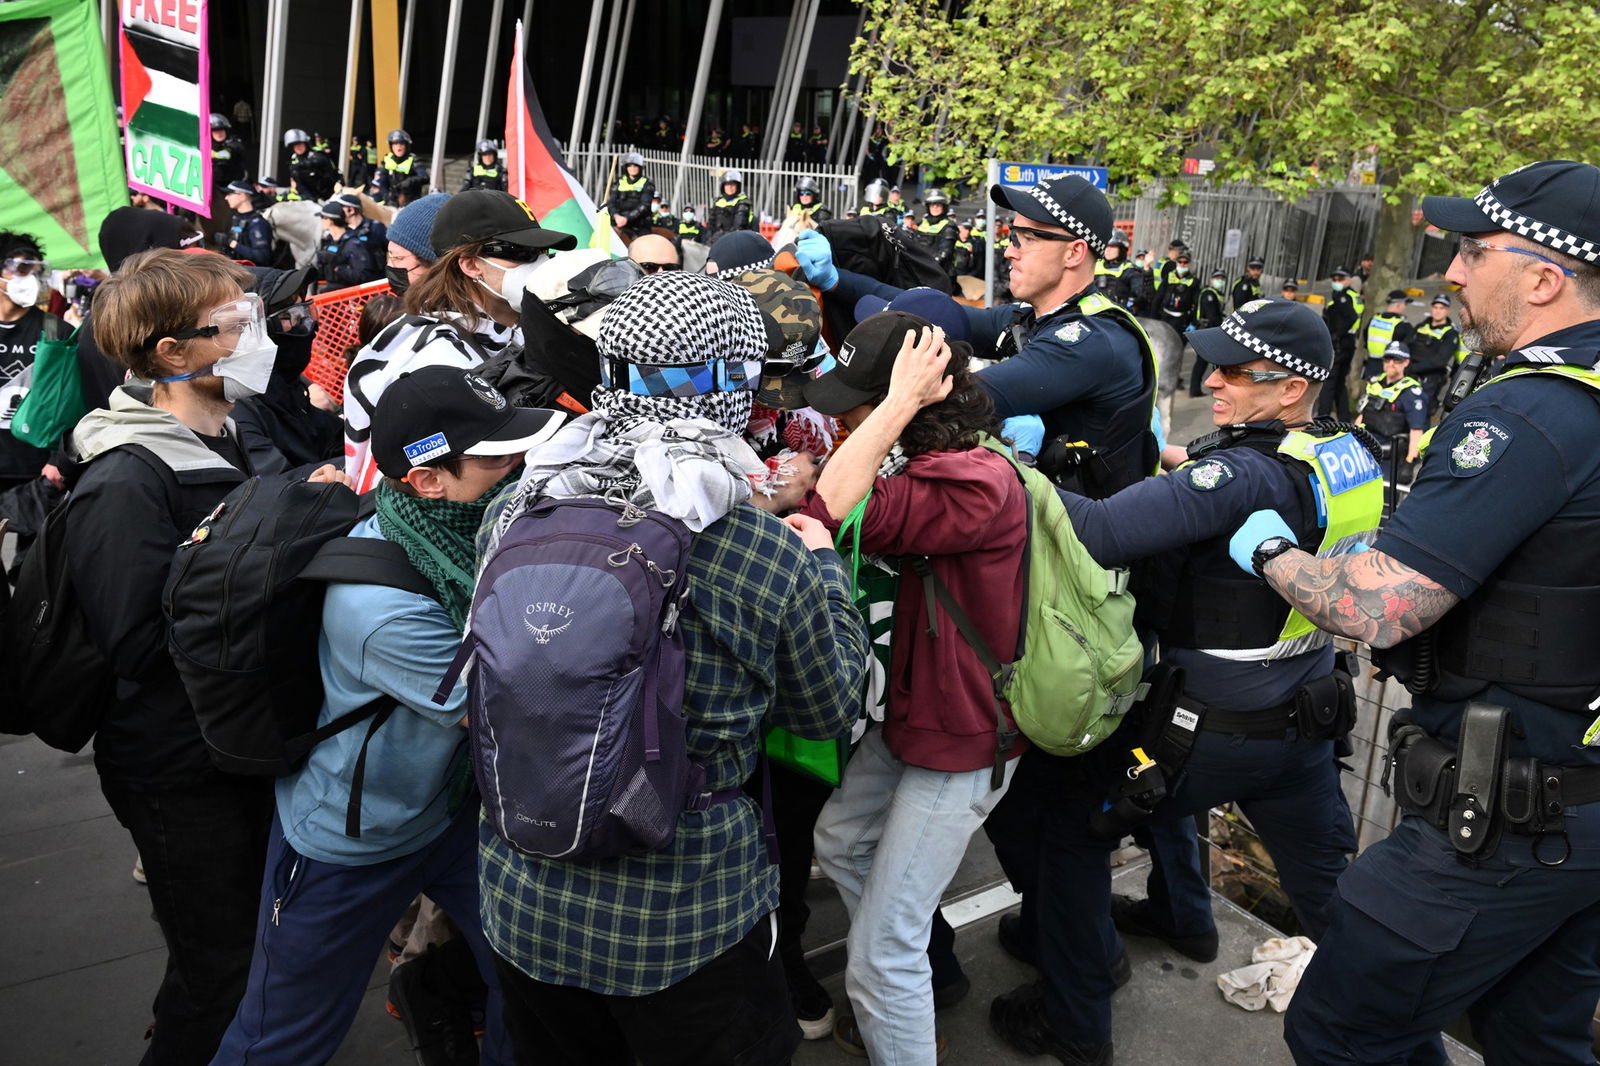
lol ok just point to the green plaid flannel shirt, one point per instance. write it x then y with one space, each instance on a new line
773 637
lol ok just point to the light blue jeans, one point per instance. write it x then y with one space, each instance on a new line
891 839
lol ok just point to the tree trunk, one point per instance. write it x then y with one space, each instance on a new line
1391 269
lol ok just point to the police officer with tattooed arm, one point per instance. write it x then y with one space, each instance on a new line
1486 898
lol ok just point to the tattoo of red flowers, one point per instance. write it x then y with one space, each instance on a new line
1346 605
1395 606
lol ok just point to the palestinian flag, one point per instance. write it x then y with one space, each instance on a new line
165 86
537 175
60 171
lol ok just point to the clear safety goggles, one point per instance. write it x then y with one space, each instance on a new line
231 322
18 266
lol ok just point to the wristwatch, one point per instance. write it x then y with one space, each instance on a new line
1267 550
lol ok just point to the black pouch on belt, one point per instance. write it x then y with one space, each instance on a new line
1166 736
1474 823
1522 796
1325 708
1425 773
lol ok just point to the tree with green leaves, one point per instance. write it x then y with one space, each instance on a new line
1444 93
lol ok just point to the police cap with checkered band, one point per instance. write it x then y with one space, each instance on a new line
1284 332
1555 203
1069 201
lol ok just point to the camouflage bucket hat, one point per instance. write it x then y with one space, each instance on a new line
794 325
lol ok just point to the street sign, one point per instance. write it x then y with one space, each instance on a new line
165 100
1027 175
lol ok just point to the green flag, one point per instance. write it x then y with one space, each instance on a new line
60 165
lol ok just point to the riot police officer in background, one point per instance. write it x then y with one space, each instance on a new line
1485 900
1235 724
938 229
731 211
1248 287
312 172
1342 316
1113 273
808 201
1393 406
227 153
970 250
1176 291
401 177
875 194
631 192
1435 350
487 173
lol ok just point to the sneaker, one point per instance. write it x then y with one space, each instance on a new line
1012 940
440 1030
138 869
847 1037
1018 1019
816 872
813 1007
1132 917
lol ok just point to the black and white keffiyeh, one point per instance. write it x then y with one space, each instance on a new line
682 455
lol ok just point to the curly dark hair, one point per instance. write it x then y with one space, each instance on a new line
955 423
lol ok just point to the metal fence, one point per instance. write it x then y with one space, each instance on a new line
1301 240
770 188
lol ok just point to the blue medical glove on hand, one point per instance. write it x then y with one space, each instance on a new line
1257 528
1025 432
816 259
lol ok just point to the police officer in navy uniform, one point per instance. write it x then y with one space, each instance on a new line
227 153
369 231
249 236
343 259
400 177
1485 900
808 201
487 173
1394 406
1112 276
1435 350
1232 707
1248 286
729 212
631 192
1342 316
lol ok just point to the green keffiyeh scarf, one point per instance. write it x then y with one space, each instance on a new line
438 537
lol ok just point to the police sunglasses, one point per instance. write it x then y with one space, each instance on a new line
1238 375
1472 250
1045 235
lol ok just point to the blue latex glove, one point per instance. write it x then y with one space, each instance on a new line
1025 432
1248 537
816 259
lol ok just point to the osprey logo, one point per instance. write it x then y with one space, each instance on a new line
556 612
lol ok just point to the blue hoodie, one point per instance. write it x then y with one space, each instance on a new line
379 640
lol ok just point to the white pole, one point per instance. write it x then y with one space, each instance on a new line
527 12
351 70
405 58
622 65
603 86
797 74
452 37
770 144
708 45
991 179
272 96
488 75
519 79
844 114
596 10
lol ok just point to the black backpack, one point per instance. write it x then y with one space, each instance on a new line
885 252
54 683
244 607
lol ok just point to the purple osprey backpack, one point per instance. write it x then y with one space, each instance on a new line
575 693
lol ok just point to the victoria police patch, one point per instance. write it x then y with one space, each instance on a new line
1481 445
1073 332
1210 474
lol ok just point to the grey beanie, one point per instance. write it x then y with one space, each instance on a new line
412 224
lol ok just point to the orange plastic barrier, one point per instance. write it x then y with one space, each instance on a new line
338 314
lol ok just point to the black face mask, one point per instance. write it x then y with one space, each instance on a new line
399 279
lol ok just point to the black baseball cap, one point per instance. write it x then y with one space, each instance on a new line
1555 203
1397 350
864 363
1285 332
1397 294
491 215
1441 299
445 412
1256 261
242 186
1069 201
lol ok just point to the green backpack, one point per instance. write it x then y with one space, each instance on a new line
1078 662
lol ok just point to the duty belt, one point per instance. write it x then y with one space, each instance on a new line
1322 709
1271 722
1474 792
